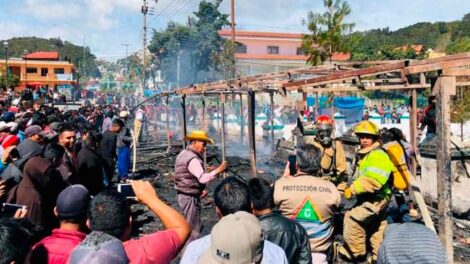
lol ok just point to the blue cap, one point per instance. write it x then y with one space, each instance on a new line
73 201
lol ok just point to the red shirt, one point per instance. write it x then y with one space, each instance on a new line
158 248
57 247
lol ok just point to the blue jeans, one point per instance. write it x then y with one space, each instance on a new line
123 161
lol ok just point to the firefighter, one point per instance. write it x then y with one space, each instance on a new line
372 188
333 161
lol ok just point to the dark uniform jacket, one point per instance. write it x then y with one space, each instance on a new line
289 235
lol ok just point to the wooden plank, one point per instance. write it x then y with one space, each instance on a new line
271 96
345 75
440 59
437 66
224 157
183 121
168 136
204 127
366 88
242 121
251 131
316 104
456 72
444 87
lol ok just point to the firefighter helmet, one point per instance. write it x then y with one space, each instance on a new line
324 122
367 127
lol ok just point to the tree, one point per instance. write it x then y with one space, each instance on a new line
460 111
328 31
13 81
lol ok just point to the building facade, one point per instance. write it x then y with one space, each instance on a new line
40 69
265 52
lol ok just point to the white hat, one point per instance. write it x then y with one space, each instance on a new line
123 114
236 238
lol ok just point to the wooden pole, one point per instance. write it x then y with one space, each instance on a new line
168 137
242 120
316 105
251 131
271 95
232 19
224 156
444 88
414 129
218 117
304 101
204 126
414 190
183 122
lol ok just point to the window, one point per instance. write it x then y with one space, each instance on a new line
31 70
59 70
44 71
300 51
240 48
273 50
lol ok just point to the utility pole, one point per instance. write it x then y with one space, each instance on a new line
144 10
127 65
232 20
178 66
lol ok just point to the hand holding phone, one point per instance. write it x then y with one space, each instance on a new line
126 190
292 164
9 210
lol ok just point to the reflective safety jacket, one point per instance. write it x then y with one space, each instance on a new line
374 171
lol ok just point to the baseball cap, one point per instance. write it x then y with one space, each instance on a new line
10 140
99 248
73 201
235 239
33 130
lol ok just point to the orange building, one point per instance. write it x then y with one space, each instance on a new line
265 52
39 69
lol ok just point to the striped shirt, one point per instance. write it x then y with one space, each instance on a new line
410 243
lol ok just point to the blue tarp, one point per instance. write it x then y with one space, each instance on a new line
322 101
148 93
351 107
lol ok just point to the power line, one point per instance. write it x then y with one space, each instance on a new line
164 9
167 18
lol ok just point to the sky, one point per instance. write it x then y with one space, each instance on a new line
104 25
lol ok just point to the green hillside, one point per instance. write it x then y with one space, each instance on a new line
376 44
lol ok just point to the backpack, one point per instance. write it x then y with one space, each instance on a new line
401 175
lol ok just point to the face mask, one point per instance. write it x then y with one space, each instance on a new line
324 137
326 142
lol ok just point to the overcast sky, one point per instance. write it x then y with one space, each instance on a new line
106 24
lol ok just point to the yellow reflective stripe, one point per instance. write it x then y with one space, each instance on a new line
358 187
375 170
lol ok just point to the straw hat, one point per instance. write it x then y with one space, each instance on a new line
200 136
123 114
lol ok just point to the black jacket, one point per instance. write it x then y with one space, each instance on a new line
289 235
90 170
108 147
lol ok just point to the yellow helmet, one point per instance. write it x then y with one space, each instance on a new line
367 127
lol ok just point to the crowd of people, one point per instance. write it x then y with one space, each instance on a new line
59 170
